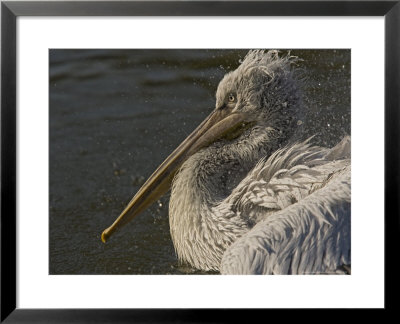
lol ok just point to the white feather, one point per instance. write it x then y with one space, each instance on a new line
302 213
248 206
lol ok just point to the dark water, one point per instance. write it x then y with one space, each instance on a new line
115 115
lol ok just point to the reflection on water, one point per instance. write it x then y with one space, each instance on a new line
114 117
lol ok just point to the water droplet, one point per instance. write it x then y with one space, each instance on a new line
299 122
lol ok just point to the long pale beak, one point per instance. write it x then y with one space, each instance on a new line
220 123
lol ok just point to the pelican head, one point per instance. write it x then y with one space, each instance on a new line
264 89
257 109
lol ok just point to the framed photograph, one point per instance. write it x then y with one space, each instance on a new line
163 158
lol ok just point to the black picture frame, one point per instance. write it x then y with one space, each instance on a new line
10 10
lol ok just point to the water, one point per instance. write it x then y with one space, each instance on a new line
115 115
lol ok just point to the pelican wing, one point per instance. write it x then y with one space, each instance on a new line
301 204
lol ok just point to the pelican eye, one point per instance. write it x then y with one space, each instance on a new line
231 97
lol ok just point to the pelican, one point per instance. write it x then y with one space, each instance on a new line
245 197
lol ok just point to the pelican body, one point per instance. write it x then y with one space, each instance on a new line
245 199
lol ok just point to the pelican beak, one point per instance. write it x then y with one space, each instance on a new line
218 124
